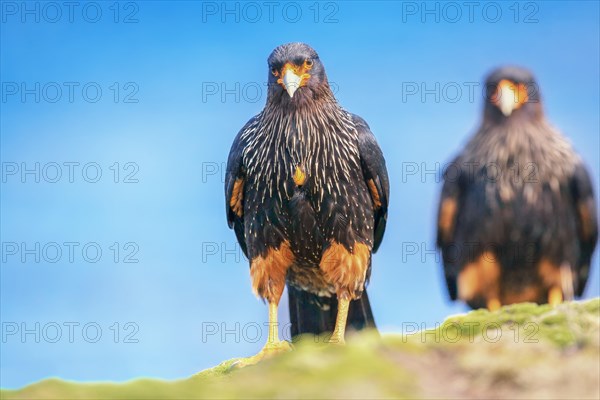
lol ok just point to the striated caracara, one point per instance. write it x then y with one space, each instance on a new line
517 217
307 194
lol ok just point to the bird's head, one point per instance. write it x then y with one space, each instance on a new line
512 91
296 74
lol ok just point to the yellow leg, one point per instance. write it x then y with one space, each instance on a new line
493 304
340 321
555 296
273 337
566 280
273 345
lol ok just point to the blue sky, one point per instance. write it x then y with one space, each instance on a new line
177 82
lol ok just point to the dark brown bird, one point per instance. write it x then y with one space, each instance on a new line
517 218
307 192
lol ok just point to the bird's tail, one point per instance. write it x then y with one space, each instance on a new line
313 314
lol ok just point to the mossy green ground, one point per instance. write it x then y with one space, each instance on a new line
521 351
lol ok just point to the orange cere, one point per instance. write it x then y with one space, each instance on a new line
301 71
519 91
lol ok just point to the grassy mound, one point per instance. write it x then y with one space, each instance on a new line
521 351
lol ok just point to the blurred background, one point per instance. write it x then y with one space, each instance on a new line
116 122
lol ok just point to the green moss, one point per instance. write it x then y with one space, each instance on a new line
592 306
565 325
522 350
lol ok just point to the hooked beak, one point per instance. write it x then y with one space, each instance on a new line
506 100
292 77
291 81
509 96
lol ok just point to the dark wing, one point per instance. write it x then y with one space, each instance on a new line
587 225
375 175
446 224
234 186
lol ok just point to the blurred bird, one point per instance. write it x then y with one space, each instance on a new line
307 194
517 217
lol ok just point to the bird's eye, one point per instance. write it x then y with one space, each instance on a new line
274 71
308 62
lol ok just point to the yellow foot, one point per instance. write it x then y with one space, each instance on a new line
493 304
270 350
334 340
337 338
555 296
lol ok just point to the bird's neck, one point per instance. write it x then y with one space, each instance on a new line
315 137
303 103
531 147
303 117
